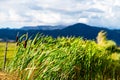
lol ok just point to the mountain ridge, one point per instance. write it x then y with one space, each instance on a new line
79 29
42 27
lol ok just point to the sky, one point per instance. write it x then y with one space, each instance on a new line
19 13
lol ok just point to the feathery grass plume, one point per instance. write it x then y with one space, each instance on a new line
103 41
101 38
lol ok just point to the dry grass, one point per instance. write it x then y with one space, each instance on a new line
5 76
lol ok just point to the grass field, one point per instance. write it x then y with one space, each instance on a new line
66 58
63 58
10 53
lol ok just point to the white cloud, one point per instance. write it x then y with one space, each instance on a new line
3 16
18 13
83 20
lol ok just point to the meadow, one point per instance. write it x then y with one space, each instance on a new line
65 58
11 50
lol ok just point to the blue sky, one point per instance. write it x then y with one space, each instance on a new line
18 13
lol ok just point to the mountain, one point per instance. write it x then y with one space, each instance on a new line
79 29
44 27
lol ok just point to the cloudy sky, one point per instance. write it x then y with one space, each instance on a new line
18 13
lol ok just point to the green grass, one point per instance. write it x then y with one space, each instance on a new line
10 53
63 58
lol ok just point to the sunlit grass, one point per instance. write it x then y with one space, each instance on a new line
63 58
10 53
